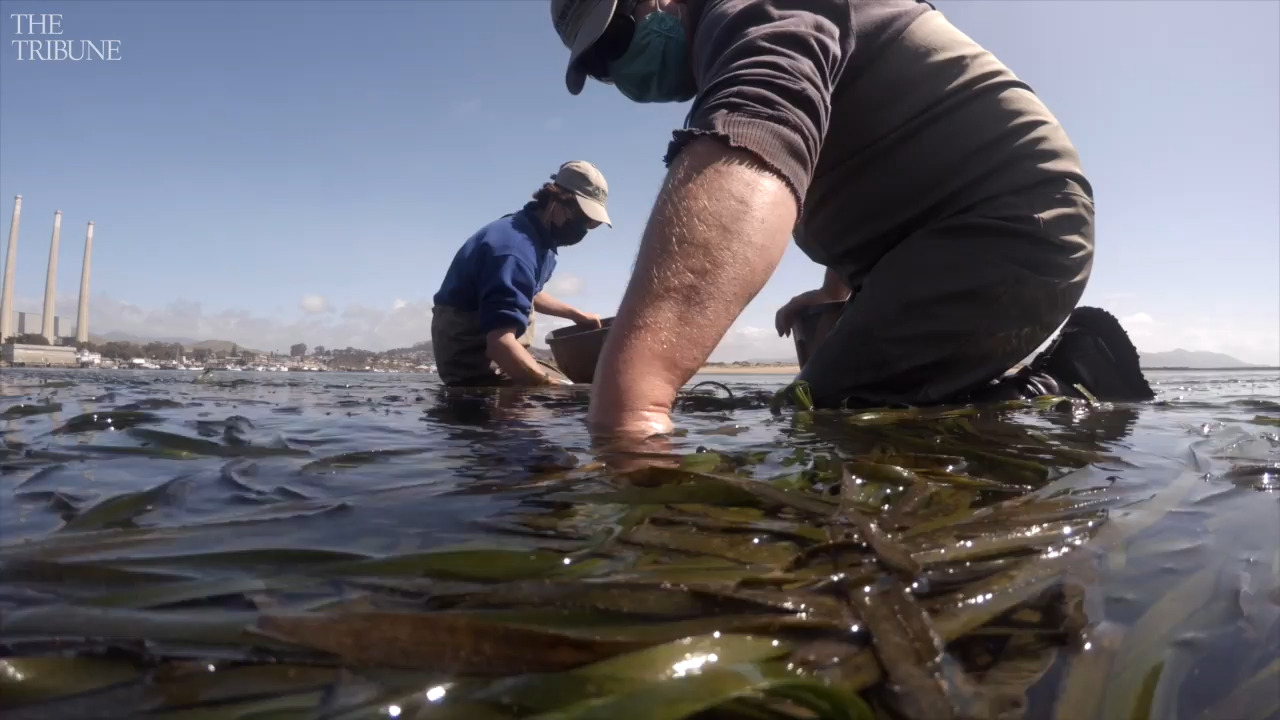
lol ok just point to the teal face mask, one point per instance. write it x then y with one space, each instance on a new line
655 67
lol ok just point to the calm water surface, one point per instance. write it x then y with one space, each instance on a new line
346 467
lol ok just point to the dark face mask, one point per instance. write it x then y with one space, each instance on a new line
571 232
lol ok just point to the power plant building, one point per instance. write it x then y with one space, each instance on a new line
56 330
64 328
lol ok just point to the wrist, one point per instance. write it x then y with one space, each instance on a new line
617 424
830 295
641 407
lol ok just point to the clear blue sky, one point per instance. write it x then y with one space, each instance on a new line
243 155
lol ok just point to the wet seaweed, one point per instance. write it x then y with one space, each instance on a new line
1007 561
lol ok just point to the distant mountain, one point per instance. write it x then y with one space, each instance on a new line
1194 359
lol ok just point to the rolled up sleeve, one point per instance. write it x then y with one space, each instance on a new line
765 71
506 294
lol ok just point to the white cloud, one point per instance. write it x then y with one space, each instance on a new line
398 304
1136 321
544 324
1251 338
746 342
314 304
566 285
352 326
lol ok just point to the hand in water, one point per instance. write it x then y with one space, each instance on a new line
636 443
550 378
632 426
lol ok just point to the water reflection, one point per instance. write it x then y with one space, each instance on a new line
496 428
1101 428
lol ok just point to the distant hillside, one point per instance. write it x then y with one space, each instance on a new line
115 336
218 346
1190 359
413 350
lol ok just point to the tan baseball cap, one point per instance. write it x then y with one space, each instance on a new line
580 23
587 184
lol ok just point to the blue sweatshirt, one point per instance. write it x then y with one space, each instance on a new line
498 270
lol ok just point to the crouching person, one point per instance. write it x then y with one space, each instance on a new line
482 319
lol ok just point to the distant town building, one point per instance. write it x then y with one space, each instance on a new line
38 355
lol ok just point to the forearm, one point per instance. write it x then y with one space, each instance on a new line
718 230
834 288
547 305
513 359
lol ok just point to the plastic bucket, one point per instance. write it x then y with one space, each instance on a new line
576 349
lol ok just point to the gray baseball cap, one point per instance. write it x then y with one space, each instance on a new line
588 186
580 23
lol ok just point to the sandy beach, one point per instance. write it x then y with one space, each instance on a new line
749 370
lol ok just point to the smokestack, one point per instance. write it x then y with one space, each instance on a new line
51 284
6 290
82 311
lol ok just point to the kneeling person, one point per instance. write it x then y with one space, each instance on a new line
481 325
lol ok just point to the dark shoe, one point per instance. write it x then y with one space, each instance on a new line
1094 351
1024 385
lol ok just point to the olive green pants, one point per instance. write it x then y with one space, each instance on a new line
956 304
460 348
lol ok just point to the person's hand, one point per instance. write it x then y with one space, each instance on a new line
633 441
586 318
786 315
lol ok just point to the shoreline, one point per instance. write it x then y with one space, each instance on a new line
795 369
749 370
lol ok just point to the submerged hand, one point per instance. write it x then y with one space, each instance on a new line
634 427
633 441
